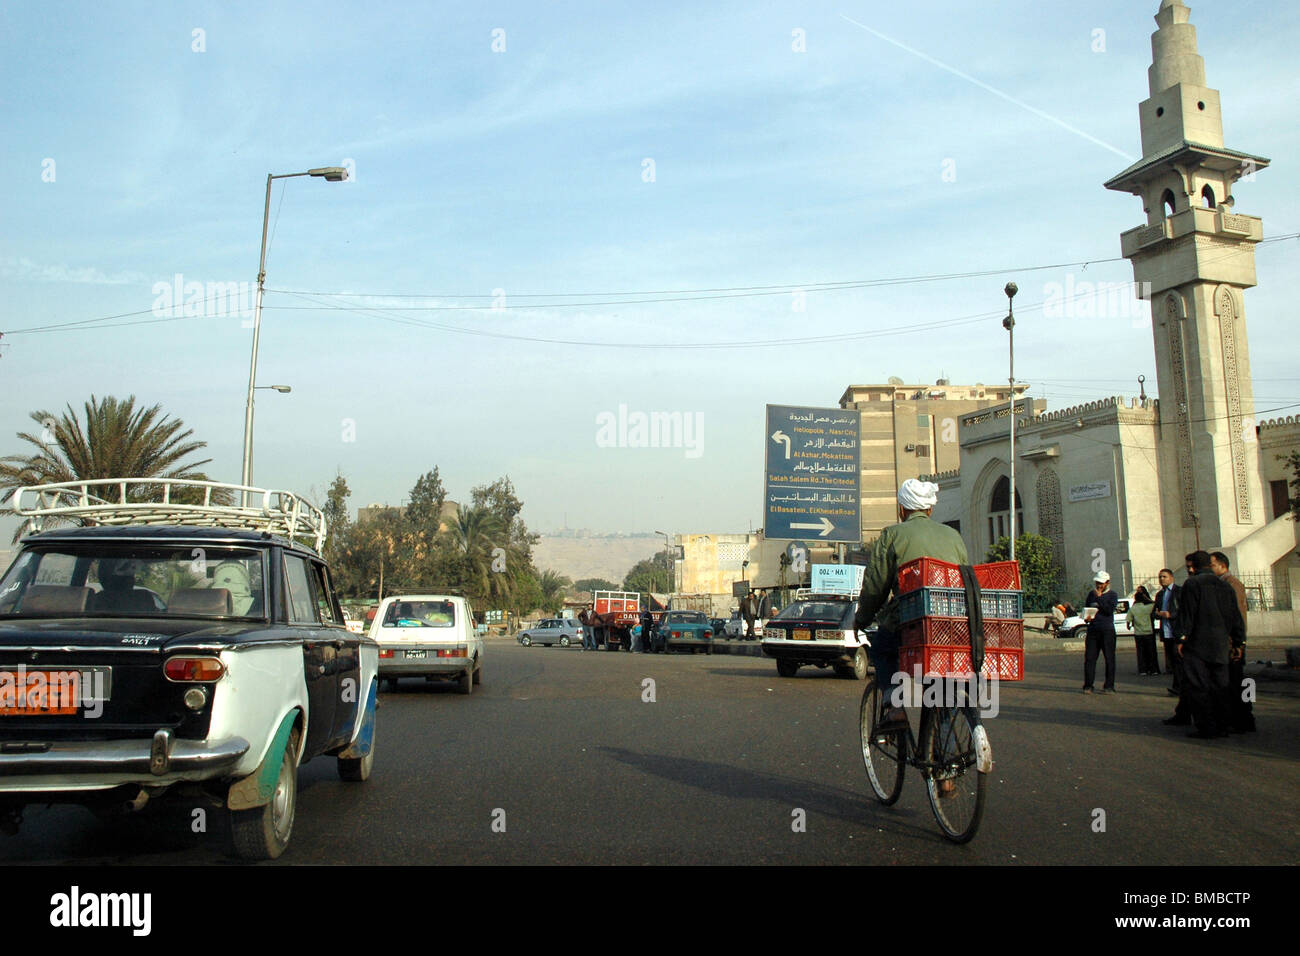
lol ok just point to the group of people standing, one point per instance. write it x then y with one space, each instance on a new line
756 606
1201 624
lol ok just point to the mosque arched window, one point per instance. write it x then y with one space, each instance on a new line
1207 196
1000 511
1167 203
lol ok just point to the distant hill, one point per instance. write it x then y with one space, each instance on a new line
594 556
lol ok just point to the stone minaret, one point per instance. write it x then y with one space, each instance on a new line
1194 258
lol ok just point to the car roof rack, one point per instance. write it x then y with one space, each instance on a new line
172 501
808 594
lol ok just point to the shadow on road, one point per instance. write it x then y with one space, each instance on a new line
737 783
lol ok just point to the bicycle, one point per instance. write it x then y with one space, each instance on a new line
950 749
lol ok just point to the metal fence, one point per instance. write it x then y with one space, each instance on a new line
1263 591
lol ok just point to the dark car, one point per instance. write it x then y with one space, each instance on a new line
817 630
246 672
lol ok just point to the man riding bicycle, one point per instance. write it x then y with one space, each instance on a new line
915 536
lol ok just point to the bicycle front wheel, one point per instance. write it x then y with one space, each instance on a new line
954 784
883 753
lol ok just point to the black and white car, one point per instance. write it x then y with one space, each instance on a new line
246 672
817 629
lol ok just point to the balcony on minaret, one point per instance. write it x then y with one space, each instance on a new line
1217 221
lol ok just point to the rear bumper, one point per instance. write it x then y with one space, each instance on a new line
812 652
100 764
398 666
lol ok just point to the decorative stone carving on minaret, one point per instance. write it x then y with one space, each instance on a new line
1195 255
1182 416
1226 309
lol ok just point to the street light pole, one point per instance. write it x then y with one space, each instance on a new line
331 174
1009 323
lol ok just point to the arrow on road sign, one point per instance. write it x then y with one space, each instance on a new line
825 526
778 435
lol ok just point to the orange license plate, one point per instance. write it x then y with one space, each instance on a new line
801 634
36 693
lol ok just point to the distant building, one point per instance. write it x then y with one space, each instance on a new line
450 513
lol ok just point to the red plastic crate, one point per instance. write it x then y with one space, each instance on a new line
955 632
1004 663
933 573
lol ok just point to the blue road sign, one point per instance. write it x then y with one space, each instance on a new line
812 487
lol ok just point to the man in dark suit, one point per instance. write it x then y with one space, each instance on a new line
1164 616
1240 711
1209 624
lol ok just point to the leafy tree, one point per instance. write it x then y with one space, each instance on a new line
594 584
1293 462
1040 575
337 519
117 440
427 497
653 574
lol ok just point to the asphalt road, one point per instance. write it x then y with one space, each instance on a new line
556 758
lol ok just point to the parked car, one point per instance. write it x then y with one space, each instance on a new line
247 672
430 636
817 630
1076 625
553 630
681 630
735 627
719 625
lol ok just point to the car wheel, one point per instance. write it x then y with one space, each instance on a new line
526 640
859 669
478 673
787 668
467 681
564 642
358 770
1081 631
263 833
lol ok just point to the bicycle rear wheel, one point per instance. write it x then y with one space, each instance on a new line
952 782
883 753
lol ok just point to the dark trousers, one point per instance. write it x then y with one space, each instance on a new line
1173 664
749 628
1206 686
1103 642
1240 712
1148 663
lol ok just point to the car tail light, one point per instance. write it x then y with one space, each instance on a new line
677 633
707 632
453 652
829 635
194 669
385 653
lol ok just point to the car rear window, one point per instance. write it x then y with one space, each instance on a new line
420 614
841 611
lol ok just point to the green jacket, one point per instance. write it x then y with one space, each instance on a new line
1139 615
917 537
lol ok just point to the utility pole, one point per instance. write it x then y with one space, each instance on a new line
1009 323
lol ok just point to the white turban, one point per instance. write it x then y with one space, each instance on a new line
916 495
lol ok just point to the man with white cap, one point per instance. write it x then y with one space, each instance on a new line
915 536
1101 633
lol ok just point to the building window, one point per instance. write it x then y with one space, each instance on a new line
1281 502
1167 202
922 451
922 421
1000 511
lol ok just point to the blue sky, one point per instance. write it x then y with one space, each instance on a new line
525 171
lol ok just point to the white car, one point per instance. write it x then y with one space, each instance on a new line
817 629
428 635
1077 626
735 626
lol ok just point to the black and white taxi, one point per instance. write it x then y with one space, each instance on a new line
246 671
817 629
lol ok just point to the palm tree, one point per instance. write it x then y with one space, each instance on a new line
118 440
553 585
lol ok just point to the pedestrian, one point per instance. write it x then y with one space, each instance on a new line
1144 637
1163 617
915 536
1101 633
765 604
647 630
1210 625
749 610
588 630
1240 711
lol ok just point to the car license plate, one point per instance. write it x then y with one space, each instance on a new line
801 634
416 655
27 693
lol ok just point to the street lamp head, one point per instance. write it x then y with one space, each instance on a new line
1009 323
283 389
1011 290
332 174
